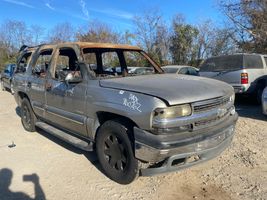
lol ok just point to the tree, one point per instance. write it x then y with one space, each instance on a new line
152 34
183 41
13 34
62 32
98 32
37 33
214 41
249 20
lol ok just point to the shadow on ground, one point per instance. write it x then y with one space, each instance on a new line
91 156
246 107
6 180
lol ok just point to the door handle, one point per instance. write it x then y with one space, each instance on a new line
48 86
29 84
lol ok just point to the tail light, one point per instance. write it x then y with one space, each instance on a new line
244 78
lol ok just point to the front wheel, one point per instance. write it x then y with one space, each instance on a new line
28 117
115 152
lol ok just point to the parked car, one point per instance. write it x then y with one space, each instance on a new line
142 124
181 69
6 77
244 72
264 101
132 70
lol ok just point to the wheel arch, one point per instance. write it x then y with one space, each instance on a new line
103 116
21 96
261 83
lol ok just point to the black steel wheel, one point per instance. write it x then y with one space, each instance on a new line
115 152
28 117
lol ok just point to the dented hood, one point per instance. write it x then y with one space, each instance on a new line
173 88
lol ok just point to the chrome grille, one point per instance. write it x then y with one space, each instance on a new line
212 120
210 104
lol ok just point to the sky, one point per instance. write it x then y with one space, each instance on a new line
117 13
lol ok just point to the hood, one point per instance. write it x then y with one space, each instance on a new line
173 88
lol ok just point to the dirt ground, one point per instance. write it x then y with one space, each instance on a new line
37 165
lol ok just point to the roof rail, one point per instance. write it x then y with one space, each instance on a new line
25 47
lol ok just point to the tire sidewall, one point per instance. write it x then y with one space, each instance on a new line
121 132
259 95
31 126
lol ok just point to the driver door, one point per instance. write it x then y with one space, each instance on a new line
65 101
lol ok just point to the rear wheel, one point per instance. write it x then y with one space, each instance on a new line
28 117
115 152
259 95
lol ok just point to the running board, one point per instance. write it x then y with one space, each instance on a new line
81 144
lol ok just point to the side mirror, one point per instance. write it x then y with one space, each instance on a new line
73 77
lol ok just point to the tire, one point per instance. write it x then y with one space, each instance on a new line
28 118
259 95
2 86
115 152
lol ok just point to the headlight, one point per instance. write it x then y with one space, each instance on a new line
172 112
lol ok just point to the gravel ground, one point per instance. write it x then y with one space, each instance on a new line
39 166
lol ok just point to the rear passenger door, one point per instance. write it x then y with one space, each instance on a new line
65 102
37 79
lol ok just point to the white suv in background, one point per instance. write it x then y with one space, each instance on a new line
245 72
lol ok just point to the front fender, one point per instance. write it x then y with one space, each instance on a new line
135 106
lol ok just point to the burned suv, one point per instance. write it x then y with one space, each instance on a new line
139 122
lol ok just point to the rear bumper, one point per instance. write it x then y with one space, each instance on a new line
241 89
247 89
204 144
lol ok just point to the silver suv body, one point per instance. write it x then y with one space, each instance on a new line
144 123
244 72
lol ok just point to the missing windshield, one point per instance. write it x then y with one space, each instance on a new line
117 62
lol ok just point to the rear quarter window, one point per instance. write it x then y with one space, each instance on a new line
222 63
253 61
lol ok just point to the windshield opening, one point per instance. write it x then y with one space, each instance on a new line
111 63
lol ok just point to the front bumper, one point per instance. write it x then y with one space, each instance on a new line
171 149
